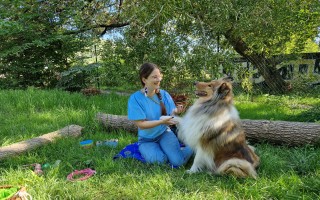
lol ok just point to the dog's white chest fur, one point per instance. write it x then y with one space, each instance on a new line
194 124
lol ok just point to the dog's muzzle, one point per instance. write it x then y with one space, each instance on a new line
201 93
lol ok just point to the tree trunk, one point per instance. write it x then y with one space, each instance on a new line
20 147
266 67
282 132
275 132
116 122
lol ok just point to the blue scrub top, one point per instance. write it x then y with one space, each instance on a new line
141 107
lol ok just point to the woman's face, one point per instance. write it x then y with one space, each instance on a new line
153 80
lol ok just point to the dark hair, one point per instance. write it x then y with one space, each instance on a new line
145 70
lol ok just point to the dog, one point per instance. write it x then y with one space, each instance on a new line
212 127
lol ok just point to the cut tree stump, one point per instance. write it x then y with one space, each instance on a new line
20 147
275 132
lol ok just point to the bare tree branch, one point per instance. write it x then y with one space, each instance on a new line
112 26
105 26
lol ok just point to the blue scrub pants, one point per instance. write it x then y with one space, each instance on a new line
164 148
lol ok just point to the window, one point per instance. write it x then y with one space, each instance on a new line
303 68
317 66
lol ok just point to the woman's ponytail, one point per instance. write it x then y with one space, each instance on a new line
163 108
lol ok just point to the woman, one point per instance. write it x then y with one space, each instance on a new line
157 143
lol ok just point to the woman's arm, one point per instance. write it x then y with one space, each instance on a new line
144 124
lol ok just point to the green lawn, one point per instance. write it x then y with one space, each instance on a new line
285 172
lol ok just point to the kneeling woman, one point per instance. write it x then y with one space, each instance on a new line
157 143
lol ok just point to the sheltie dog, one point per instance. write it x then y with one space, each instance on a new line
212 127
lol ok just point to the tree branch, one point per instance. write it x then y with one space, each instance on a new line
112 26
105 26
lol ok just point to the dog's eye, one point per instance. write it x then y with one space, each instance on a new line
209 85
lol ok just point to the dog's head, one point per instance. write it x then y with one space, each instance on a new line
220 89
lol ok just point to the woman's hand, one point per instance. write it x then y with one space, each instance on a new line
168 120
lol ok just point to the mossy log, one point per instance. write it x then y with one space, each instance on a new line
275 132
20 147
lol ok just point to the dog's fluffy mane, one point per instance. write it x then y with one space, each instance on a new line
212 127
209 115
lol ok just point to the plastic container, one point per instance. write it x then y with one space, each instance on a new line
86 144
110 143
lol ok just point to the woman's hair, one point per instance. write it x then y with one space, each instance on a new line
145 70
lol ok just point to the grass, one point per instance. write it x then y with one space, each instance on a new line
285 172
287 108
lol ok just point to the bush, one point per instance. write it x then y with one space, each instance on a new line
79 77
303 83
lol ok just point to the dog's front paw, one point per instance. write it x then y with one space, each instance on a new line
194 169
189 171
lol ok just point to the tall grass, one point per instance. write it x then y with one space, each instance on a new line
285 172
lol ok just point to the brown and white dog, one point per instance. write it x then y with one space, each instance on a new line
212 127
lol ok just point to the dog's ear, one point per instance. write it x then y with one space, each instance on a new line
228 78
224 89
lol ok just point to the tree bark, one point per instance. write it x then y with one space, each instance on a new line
116 122
275 132
20 147
266 67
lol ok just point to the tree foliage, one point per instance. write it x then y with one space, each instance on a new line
40 39
257 30
188 39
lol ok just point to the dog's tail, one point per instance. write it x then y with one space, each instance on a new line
238 168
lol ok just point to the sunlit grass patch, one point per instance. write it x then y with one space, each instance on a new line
284 173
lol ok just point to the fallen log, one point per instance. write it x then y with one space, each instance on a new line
20 147
275 132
